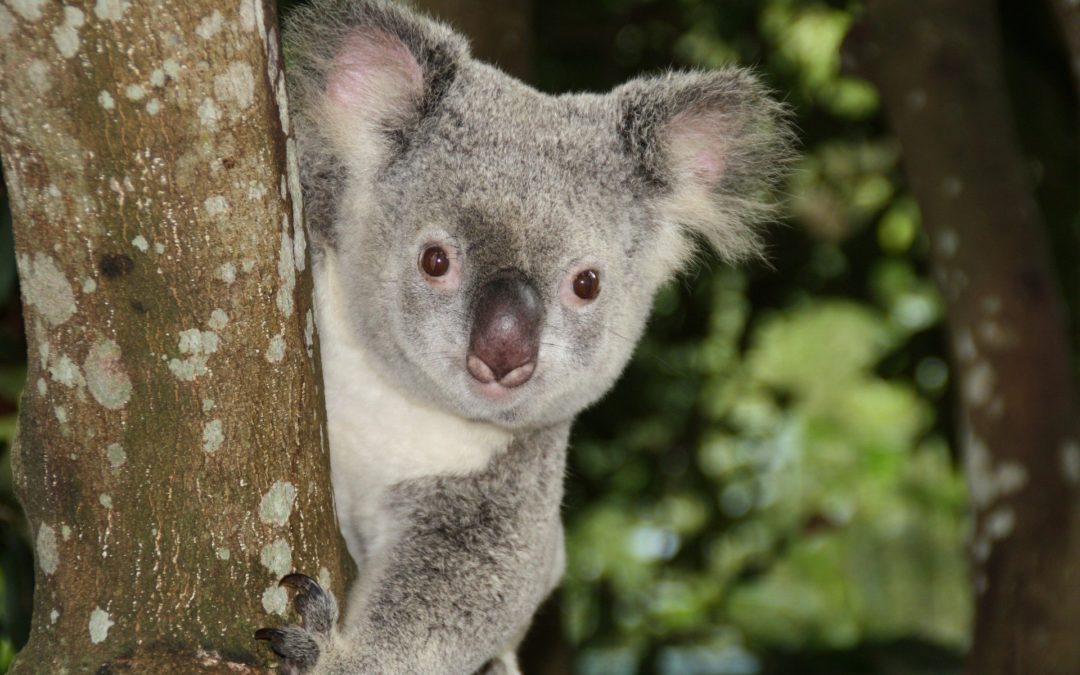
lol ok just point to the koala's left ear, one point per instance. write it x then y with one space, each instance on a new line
711 146
364 75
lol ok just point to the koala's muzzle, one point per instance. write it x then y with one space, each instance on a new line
508 317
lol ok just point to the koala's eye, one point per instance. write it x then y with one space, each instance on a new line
434 261
587 285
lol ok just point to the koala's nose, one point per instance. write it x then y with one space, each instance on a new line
508 317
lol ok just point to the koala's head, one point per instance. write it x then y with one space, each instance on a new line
500 248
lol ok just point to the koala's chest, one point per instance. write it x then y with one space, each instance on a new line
379 438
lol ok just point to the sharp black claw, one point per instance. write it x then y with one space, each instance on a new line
315 606
268 634
275 637
300 582
298 645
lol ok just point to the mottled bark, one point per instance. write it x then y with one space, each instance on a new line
171 455
500 33
938 67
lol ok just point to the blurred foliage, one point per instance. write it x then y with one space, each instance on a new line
770 487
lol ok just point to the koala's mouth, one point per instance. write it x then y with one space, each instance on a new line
483 373
496 391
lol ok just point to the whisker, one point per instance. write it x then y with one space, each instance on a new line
619 335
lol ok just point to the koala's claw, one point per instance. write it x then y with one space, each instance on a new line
316 607
294 645
300 582
298 646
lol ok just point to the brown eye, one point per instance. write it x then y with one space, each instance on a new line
434 261
587 285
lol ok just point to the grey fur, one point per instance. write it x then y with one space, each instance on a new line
477 564
455 562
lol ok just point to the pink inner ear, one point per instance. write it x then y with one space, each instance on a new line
708 166
375 68
698 144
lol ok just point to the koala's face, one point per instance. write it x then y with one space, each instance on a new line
503 262
499 248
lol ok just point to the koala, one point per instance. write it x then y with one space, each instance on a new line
485 260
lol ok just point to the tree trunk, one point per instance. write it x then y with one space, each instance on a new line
1067 13
171 456
938 67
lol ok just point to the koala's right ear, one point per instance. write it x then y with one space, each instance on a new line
362 76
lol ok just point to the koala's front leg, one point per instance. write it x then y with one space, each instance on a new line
471 559
460 584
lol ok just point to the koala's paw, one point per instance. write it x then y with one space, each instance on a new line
299 646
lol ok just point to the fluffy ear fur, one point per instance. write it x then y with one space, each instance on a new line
711 146
364 76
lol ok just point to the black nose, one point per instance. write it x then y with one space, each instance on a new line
507 319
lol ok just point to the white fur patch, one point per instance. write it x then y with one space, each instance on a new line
378 436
